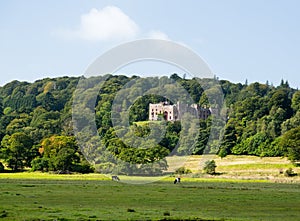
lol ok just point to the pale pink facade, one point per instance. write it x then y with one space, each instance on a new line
163 109
175 112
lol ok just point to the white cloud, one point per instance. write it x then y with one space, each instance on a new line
109 23
158 35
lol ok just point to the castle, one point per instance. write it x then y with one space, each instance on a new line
175 112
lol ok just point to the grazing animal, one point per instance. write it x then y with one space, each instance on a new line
115 178
177 180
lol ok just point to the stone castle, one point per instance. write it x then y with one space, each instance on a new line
175 112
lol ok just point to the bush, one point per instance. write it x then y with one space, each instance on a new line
1 167
289 172
210 167
222 153
182 170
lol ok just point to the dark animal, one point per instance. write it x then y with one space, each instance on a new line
177 180
115 178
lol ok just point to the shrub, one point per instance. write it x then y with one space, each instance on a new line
222 153
210 167
183 170
289 172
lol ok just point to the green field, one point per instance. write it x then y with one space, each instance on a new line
34 196
247 188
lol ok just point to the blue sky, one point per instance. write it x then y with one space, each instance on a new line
254 40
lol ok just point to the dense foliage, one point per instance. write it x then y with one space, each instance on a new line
36 129
210 167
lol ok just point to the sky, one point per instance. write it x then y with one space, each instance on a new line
256 40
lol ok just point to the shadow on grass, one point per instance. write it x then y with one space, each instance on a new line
218 174
11 171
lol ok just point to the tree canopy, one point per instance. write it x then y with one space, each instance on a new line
36 127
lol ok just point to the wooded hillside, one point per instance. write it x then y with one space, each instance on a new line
36 127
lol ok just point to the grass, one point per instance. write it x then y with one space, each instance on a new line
240 167
49 176
243 191
77 199
146 123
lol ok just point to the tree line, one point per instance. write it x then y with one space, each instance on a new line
36 127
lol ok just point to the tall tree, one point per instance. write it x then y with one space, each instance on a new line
61 152
17 150
291 141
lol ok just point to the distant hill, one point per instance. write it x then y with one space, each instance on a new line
257 118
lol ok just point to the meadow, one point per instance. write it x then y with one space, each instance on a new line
44 196
241 167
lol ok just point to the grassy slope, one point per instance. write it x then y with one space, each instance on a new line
242 167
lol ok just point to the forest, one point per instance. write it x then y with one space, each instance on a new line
37 123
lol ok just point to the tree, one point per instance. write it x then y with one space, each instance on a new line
257 117
296 101
175 77
47 101
291 141
40 164
229 139
18 124
210 167
280 99
253 145
17 150
61 152
1 107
